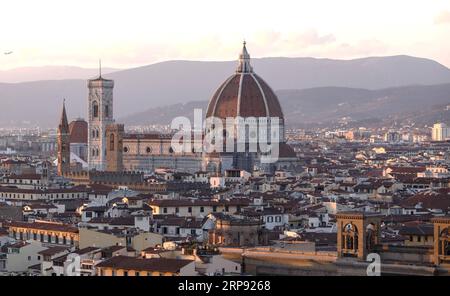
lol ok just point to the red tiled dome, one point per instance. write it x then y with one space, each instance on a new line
244 94
78 131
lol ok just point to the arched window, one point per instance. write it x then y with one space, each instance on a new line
111 142
97 134
95 109
350 238
93 133
444 242
106 111
370 236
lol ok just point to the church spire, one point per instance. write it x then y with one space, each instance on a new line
63 124
244 61
63 140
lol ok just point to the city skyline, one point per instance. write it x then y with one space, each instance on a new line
51 33
331 158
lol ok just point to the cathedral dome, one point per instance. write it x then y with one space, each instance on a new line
78 130
244 94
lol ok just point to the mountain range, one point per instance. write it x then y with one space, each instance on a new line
334 88
328 105
25 74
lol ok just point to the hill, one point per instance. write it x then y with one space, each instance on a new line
177 82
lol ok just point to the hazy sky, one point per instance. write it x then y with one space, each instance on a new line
132 33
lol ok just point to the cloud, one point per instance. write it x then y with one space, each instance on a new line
264 43
295 43
312 37
311 43
442 18
361 48
305 38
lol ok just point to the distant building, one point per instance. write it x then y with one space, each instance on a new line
232 231
48 233
392 137
128 266
20 256
138 240
63 144
17 167
244 95
100 115
440 132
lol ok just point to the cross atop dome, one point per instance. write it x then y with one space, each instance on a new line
244 61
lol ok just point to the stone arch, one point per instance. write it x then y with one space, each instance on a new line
370 234
444 237
441 240
350 239
358 233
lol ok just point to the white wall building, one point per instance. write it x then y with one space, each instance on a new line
440 132
21 255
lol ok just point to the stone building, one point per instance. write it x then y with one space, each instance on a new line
48 233
358 233
63 144
114 155
441 240
236 232
244 96
360 249
100 115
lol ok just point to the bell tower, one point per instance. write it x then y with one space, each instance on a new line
441 240
100 115
358 234
63 144
114 155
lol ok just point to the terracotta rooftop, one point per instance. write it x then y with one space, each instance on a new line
244 94
196 202
43 226
86 250
439 199
52 251
154 264
78 130
417 229
24 177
